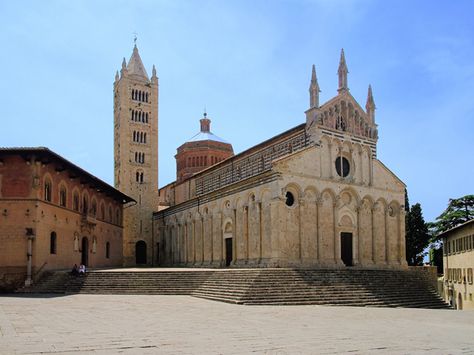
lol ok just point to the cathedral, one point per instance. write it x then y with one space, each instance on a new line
313 196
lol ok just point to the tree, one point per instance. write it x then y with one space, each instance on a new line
459 210
417 235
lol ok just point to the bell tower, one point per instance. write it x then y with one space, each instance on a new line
136 155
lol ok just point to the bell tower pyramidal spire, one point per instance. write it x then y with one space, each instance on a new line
136 155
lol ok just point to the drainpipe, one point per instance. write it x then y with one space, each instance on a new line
31 236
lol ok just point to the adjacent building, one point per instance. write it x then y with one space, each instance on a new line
53 214
458 262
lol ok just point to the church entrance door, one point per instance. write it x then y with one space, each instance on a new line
85 251
140 252
228 251
346 248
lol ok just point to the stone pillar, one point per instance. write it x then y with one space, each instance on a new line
360 175
387 241
372 228
234 238
319 202
260 231
401 237
31 237
301 208
330 160
337 239
358 259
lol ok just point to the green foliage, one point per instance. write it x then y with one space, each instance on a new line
459 210
417 236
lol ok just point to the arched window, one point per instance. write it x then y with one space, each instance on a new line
52 243
189 161
94 208
141 137
137 177
146 117
141 177
146 97
85 205
107 250
205 160
102 211
144 138
75 202
110 213
47 190
133 94
116 217
143 158
62 196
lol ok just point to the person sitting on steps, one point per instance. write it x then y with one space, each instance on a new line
82 270
75 270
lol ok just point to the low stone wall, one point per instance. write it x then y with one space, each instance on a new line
11 278
429 273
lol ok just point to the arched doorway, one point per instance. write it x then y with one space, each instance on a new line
346 248
85 251
459 303
228 241
140 252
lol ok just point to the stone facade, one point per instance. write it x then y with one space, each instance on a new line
458 262
314 196
55 214
136 155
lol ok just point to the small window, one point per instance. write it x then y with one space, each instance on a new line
342 166
102 211
107 250
62 196
75 202
47 190
110 213
290 199
85 205
94 208
52 243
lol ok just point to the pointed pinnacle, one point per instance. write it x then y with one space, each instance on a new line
313 74
124 63
370 98
153 71
342 61
116 76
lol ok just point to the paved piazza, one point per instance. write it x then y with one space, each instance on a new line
84 324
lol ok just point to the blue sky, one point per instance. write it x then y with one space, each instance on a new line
249 64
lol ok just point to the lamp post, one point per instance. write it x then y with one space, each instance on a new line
31 236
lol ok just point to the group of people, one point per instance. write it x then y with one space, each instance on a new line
78 270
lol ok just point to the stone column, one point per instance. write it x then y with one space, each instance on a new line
31 237
260 231
337 239
372 232
202 239
319 202
234 238
330 160
358 259
301 208
387 241
401 237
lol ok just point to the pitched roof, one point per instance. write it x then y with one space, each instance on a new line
135 65
46 155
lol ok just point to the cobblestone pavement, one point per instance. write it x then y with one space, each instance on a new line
99 324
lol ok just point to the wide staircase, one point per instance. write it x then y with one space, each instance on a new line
347 287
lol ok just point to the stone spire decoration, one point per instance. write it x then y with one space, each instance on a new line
123 71
370 106
117 76
342 73
135 65
154 78
205 123
314 90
